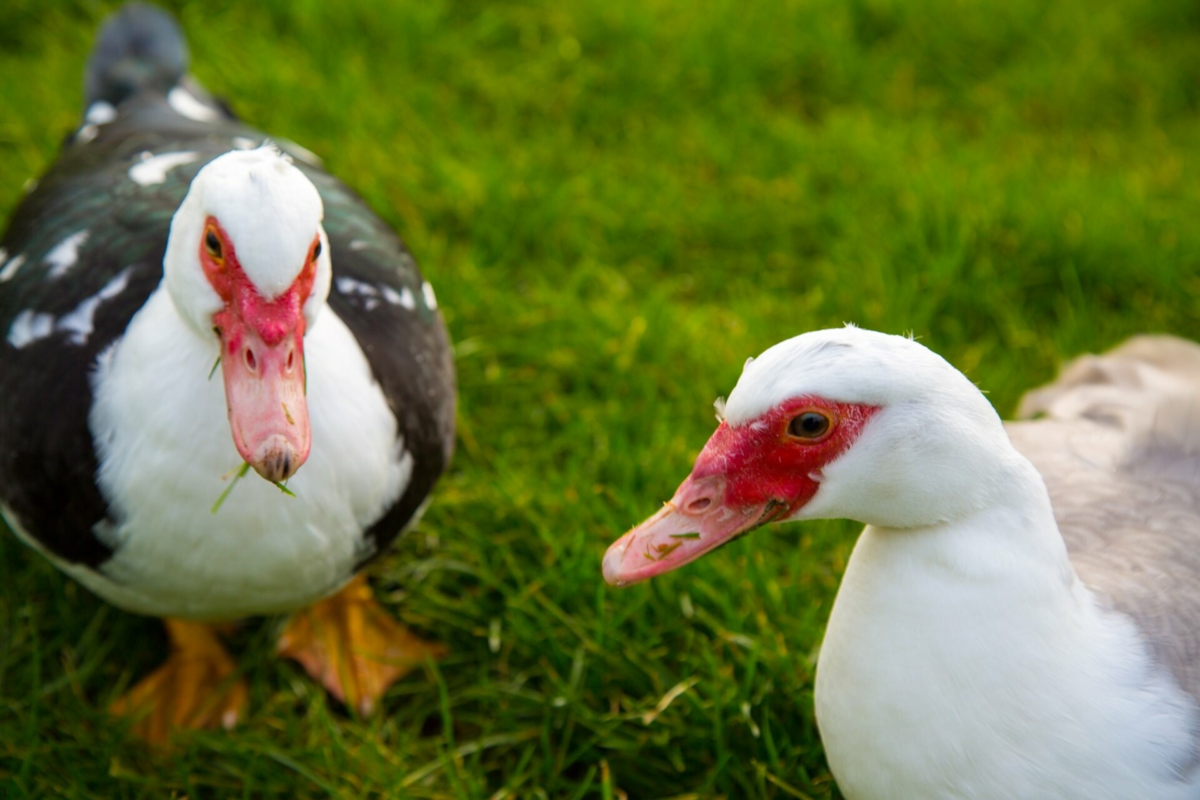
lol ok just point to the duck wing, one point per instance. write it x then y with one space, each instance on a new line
1118 443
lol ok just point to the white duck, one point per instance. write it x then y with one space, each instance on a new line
1000 632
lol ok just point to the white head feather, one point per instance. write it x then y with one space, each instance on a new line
269 210
936 449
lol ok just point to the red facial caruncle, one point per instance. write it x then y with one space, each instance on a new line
763 470
262 357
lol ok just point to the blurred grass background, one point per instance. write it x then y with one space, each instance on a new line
618 201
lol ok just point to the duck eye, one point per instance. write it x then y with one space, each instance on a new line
809 425
212 244
317 250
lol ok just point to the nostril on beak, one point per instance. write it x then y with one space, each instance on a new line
251 361
699 496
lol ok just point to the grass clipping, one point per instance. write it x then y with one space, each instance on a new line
241 473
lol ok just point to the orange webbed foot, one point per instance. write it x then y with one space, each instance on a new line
352 646
196 688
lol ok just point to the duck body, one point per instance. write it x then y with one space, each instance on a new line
115 444
1055 640
1017 681
1021 615
262 552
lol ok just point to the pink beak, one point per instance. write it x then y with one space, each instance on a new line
744 478
264 392
696 521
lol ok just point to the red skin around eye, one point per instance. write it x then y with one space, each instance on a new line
761 462
745 477
270 319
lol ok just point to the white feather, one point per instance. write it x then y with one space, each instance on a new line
80 321
10 268
62 256
153 169
161 432
270 211
101 112
186 104
29 327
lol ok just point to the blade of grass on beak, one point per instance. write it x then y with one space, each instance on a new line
240 474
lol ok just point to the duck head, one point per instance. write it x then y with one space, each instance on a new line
844 423
247 266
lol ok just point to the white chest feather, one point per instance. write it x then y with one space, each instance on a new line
970 671
160 427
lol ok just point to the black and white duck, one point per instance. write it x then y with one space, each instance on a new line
179 302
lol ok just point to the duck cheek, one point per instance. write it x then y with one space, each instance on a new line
783 490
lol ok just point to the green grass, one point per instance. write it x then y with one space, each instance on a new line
618 202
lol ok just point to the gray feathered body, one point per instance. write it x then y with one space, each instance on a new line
1118 444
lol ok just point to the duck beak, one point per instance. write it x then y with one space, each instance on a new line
744 478
696 521
264 394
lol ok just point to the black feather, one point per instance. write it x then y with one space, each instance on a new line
138 48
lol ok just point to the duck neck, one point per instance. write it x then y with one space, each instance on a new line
966 602
1009 544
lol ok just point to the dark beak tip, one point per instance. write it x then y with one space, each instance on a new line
278 464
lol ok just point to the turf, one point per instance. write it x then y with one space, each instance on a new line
618 202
